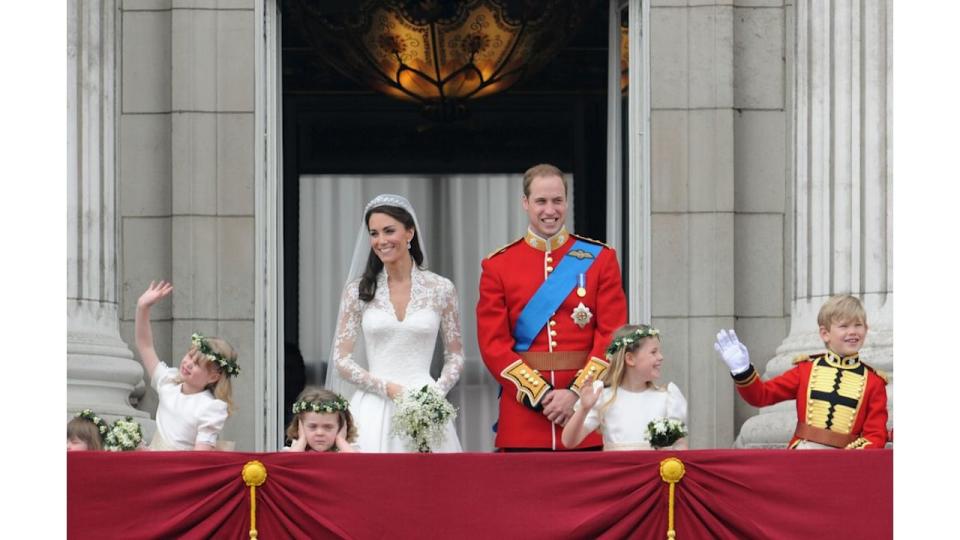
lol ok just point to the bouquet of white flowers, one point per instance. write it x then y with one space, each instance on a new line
124 435
421 417
664 432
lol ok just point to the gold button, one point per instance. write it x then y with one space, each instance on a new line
553 332
549 259
553 343
553 323
593 368
523 372
549 269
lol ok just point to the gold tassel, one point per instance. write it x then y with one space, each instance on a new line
671 471
254 474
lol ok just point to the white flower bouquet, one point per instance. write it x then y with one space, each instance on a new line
420 418
124 435
664 432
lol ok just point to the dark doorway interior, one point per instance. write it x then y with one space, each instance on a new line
332 125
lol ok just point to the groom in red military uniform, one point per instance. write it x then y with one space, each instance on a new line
549 302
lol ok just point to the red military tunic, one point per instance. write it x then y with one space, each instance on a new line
510 278
841 402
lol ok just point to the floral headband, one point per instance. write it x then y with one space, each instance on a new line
626 341
328 406
227 365
101 424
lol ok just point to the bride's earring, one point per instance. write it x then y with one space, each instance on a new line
408 245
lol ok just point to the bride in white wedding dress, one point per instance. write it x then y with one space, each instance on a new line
398 307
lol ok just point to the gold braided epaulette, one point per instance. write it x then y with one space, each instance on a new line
503 248
804 358
878 372
592 241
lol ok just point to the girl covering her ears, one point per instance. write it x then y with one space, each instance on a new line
321 423
630 400
194 398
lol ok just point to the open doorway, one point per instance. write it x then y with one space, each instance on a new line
335 128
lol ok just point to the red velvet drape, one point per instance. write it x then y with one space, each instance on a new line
732 494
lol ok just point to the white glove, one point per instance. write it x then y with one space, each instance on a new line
733 353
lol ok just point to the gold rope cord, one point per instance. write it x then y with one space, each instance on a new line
254 474
671 471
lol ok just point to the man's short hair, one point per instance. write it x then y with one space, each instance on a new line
543 169
841 308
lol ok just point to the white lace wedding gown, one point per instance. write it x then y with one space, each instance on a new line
397 351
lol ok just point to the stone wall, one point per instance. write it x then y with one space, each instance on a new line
719 183
762 50
186 152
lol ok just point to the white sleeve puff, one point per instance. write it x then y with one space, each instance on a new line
676 403
162 374
211 420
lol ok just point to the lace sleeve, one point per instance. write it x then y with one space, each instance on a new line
452 342
348 329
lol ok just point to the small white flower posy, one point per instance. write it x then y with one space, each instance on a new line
665 432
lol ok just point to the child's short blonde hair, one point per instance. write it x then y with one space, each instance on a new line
841 308
315 394
221 389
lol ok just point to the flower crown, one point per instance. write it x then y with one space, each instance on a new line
626 341
101 424
227 365
327 406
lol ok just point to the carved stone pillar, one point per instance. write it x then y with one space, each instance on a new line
842 189
101 371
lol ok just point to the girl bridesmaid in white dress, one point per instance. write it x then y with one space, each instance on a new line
630 400
398 307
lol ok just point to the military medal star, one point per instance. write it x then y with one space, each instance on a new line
581 315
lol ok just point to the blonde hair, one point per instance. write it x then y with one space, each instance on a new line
86 431
315 393
613 376
222 389
841 308
542 170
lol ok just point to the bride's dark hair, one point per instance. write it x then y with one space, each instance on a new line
368 283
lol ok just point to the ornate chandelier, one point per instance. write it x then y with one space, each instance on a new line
439 53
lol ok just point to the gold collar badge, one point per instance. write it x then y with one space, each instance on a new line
550 244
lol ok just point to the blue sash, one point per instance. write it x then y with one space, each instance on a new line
552 292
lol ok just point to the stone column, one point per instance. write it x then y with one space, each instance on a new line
692 205
842 189
212 190
101 371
